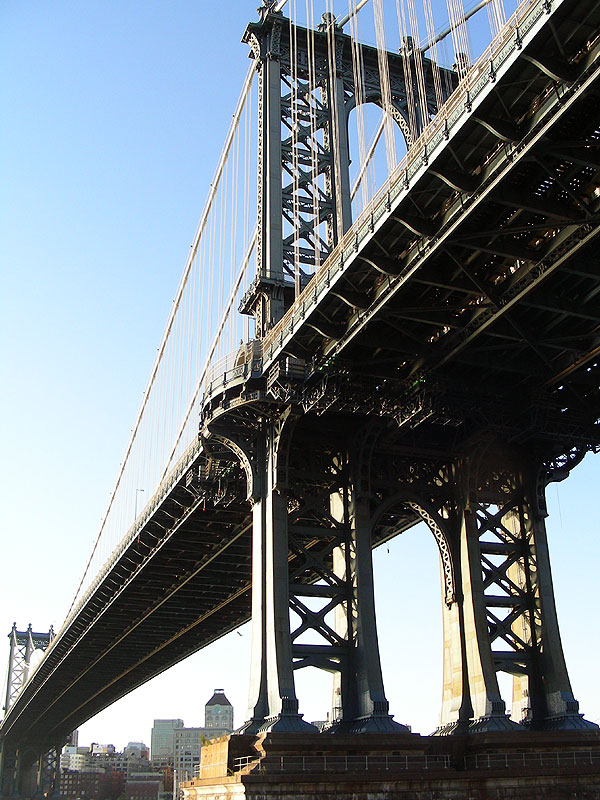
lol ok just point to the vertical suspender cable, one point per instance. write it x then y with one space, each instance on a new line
384 78
314 148
407 63
432 46
418 61
359 93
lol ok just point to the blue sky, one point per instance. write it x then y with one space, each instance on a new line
114 118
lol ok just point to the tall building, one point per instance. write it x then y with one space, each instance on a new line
188 743
162 741
218 712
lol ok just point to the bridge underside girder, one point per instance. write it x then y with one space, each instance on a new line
501 280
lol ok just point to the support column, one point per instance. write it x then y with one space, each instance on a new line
29 775
271 221
457 709
336 134
273 705
343 205
12 786
489 709
505 618
266 298
359 701
48 773
545 697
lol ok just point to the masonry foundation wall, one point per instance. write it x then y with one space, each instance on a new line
499 766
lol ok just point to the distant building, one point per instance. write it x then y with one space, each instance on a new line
141 790
130 765
137 750
218 721
218 712
73 738
103 749
132 762
83 785
162 742
73 761
188 743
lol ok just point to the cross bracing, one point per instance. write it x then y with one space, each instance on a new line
467 291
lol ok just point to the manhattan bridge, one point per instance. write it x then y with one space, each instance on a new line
390 314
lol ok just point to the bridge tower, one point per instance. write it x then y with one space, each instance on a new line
28 769
22 646
327 470
307 89
306 93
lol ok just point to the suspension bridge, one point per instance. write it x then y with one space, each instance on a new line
390 313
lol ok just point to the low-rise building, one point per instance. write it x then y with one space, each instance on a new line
141 790
84 785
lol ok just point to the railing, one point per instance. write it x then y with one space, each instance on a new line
433 137
345 763
241 364
530 760
416 762
209 768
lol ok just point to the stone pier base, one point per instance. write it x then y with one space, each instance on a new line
492 766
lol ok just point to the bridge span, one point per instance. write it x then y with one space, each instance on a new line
441 364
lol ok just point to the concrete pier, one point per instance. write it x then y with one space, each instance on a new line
487 766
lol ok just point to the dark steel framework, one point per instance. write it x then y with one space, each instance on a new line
306 92
23 644
449 373
452 366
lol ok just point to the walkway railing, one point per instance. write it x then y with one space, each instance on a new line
530 760
405 762
345 763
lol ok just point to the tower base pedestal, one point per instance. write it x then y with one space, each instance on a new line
400 766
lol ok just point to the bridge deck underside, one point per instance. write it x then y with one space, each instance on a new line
491 288
484 283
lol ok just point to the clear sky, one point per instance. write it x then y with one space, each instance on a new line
114 117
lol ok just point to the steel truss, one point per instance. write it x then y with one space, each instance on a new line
311 557
25 767
499 615
320 499
22 646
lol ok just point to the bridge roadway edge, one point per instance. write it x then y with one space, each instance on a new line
400 767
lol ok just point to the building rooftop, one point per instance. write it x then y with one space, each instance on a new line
218 699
